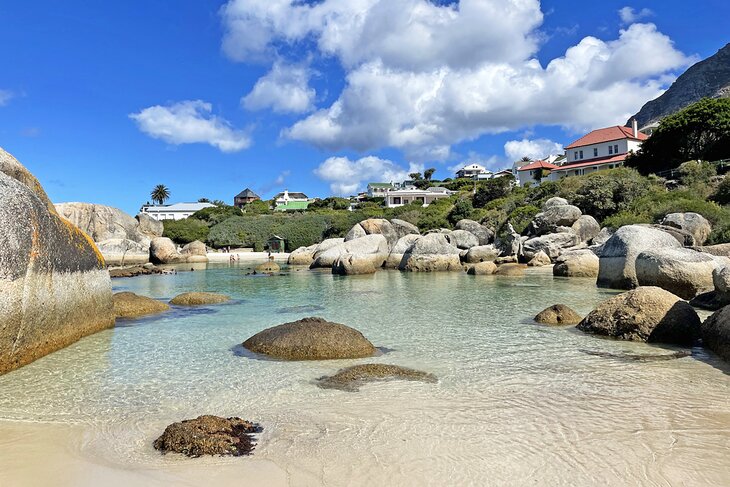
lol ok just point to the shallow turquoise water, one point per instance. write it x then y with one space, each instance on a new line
516 403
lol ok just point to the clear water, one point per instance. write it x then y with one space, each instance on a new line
516 403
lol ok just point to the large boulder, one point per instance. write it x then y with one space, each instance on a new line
576 263
209 435
511 270
553 217
148 226
586 227
684 272
404 244
129 305
356 231
482 253
482 269
483 233
310 339
555 201
558 314
693 223
684 238
720 250
463 239
119 251
302 256
195 248
617 263
375 226
199 299
552 244
102 222
353 264
602 237
403 228
369 244
716 333
54 288
646 314
540 259
351 378
164 251
430 253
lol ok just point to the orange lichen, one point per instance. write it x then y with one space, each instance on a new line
82 240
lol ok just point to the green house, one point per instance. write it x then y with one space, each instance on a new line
276 244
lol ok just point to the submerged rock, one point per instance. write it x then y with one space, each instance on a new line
209 435
514 270
558 314
482 269
645 314
310 339
268 267
54 287
198 298
640 357
351 378
136 270
130 305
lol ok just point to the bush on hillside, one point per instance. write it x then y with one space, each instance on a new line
186 230
258 207
722 193
216 214
492 189
331 203
461 210
435 215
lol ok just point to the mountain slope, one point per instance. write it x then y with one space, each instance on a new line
708 78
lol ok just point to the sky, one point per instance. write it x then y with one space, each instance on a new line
104 100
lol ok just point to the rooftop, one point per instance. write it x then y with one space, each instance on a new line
293 205
292 195
594 162
380 185
607 134
538 165
179 207
247 193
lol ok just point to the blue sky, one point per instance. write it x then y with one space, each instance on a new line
104 100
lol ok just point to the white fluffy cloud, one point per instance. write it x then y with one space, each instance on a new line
5 97
629 15
422 76
347 176
284 89
190 122
534 149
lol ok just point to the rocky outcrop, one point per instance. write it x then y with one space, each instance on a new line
706 79
164 251
482 253
302 255
646 314
693 223
199 299
369 244
463 239
195 248
720 250
576 263
379 226
540 259
617 263
552 244
483 233
310 339
586 227
352 378
552 217
555 201
128 305
684 238
431 253
716 333
209 435
558 314
404 244
482 269
54 288
354 264
684 272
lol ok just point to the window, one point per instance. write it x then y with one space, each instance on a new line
610 150
581 154
421 199
575 156
405 201
595 152
615 149
396 200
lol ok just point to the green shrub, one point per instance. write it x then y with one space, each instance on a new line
492 189
521 217
435 215
696 174
722 193
216 214
462 209
185 231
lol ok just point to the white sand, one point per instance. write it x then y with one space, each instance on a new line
219 257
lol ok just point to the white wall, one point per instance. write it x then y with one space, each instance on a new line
623 148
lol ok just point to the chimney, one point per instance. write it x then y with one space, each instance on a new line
635 126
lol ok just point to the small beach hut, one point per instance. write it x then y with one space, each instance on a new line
275 244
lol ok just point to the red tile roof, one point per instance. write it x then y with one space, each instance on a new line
599 161
538 165
608 134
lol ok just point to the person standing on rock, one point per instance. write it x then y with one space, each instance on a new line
516 241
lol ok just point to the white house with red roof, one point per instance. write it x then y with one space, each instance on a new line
534 171
604 148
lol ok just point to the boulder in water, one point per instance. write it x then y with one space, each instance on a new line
128 305
302 256
645 314
351 378
540 259
310 339
552 244
209 435
482 253
369 244
558 314
431 253
482 269
354 264
716 333
513 270
198 299
684 272
576 263
268 267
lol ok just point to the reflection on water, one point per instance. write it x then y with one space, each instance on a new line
516 403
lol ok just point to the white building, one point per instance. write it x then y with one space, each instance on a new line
534 172
176 211
400 197
379 189
605 148
286 197
472 171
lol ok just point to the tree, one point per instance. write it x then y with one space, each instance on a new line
203 200
415 176
461 210
219 203
526 159
492 189
160 194
428 173
699 132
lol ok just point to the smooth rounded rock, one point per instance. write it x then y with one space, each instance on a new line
693 223
482 269
351 378
198 299
128 305
463 239
684 272
268 267
513 270
355 264
716 333
558 314
310 339
483 233
576 263
540 259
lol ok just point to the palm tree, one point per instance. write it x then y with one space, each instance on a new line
415 176
160 194
526 159
428 173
